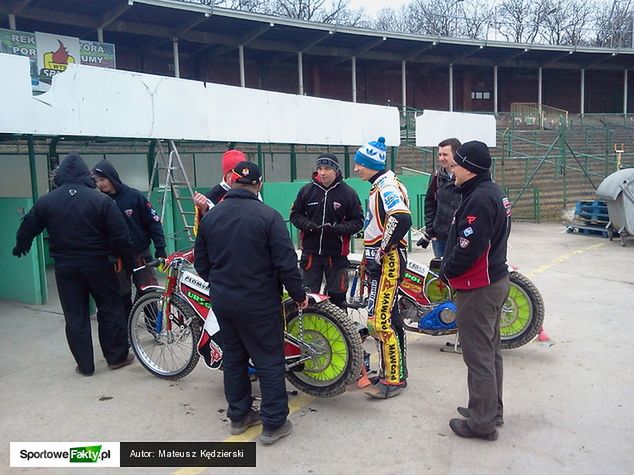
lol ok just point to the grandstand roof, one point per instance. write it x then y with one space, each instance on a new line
152 24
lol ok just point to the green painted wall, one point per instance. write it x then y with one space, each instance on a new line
28 282
24 278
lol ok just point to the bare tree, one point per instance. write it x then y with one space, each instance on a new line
389 19
522 20
475 18
613 24
565 22
432 17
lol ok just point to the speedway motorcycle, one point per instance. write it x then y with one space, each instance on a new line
426 304
169 326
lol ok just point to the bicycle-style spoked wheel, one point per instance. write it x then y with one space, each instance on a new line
168 353
522 312
334 348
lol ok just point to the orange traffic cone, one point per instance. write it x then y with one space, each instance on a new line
363 381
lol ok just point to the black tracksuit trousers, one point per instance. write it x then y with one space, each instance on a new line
74 285
261 338
478 316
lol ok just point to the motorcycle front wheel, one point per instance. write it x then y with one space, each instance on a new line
334 347
522 312
167 354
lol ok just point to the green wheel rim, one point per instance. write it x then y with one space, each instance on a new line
516 312
331 358
437 291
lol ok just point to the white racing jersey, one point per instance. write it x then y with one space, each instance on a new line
388 197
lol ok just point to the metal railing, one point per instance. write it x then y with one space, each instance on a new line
529 114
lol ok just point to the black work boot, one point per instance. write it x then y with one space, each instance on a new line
251 419
461 428
464 412
269 437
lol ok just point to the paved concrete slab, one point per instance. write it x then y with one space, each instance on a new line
569 401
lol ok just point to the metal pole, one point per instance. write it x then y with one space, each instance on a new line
177 72
495 89
625 93
293 163
539 89
241 55
300 73
404 85
100 35
39 241
354 79
583 90
12 22
450 87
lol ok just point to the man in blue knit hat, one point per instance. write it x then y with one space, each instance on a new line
386 224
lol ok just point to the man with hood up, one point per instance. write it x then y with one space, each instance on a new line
85 228
143 222
327 212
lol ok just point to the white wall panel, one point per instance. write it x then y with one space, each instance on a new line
110 103
432 127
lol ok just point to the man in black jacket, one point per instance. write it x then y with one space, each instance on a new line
475 266
144 224
328 213
245 253
441 199
85 228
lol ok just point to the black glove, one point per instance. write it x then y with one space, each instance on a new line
18 252
424 241
311 227
160 252
339 229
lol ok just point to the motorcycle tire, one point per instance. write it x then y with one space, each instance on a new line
522 313
337 361
166 355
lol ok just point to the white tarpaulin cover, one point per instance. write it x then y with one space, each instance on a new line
111 103
432 127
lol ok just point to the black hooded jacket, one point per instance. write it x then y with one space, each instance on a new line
84 225
338 205
143 221
245 253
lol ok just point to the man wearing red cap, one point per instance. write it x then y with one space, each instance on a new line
210 199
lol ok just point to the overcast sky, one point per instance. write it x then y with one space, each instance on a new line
373 6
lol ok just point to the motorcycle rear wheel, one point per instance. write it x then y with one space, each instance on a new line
167 355
522 312
338 355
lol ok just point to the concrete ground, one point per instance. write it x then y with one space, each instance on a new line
569 401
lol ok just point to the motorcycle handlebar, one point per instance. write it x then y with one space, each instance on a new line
154 263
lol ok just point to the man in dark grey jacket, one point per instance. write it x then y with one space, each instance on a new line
85 228
441 199
245 253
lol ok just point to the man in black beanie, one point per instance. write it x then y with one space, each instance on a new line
328 213
474 264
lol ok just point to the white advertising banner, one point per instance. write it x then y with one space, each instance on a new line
432 127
